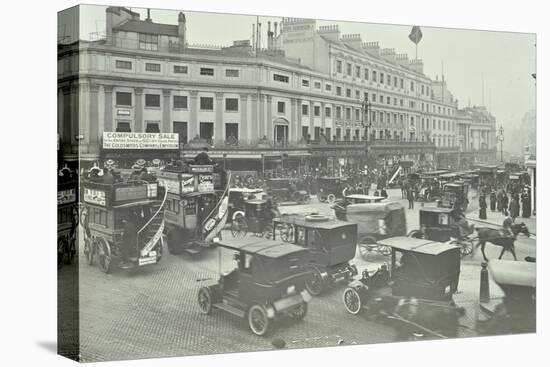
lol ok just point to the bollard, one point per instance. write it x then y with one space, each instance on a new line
484 284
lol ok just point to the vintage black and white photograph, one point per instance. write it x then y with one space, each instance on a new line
238 183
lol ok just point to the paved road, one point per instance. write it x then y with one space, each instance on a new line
152 311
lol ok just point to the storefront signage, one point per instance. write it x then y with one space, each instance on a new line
123 112
158 141
172 186
201 169
94 196
206 183
187 183
130 193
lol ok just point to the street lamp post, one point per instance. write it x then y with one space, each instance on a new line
501 139
366 107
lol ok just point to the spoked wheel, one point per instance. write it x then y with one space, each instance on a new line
352 301
89 250
366 246
258 320
331 198
239 227
466 247
299 312
104 255
205 300
286 232
315 284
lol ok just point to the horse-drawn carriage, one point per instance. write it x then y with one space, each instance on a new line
123 220
517 312
455 195
331 188
238 196
430 186
268 283
67 220
375 221
288 189
256 217
417 295
195 212
444 225
331 244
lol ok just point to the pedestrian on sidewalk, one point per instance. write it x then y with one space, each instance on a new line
499 201
526 204
410 197
493 200
505 203
514 207
482 207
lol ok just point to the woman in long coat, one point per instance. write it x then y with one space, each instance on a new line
493 200
505 202
499 201
526 205
482 207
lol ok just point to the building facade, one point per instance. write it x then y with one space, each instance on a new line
300 101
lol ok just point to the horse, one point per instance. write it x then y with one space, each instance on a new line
497 237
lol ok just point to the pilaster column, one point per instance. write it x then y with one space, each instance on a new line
323 110
93 119
243 105
254 123
262 116
67 122
166 111
76 124
138 110
293 121
218 125
269 120
298 131
193 123
108 117
311 118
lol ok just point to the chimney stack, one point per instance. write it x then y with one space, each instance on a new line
182 30
148 15
269 36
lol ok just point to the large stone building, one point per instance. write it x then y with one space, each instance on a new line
300 101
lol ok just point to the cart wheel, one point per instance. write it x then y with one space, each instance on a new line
415 233
205 300
89 250
331 198
315 284
104 255
239 227
258 320
352 301
299 312
286 232
366 246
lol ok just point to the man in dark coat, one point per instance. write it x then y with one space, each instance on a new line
499 201
410 197
203 158
482 207
505 202
493 200
384 193
526 204
514 207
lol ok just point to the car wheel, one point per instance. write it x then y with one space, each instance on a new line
365 247
258 320
315 284
205 300
299 312
104 255
239 227
331 198
352 301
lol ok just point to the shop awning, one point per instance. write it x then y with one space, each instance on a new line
234 156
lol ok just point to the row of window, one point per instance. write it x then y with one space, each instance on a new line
377 76
177 69
180 102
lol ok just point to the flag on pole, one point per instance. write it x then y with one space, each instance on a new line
415 35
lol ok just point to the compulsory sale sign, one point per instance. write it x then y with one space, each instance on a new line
116 140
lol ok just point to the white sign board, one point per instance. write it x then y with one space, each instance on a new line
158 141
94 196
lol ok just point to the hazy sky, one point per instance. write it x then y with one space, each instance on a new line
506 60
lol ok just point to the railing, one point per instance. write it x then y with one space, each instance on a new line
145 226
